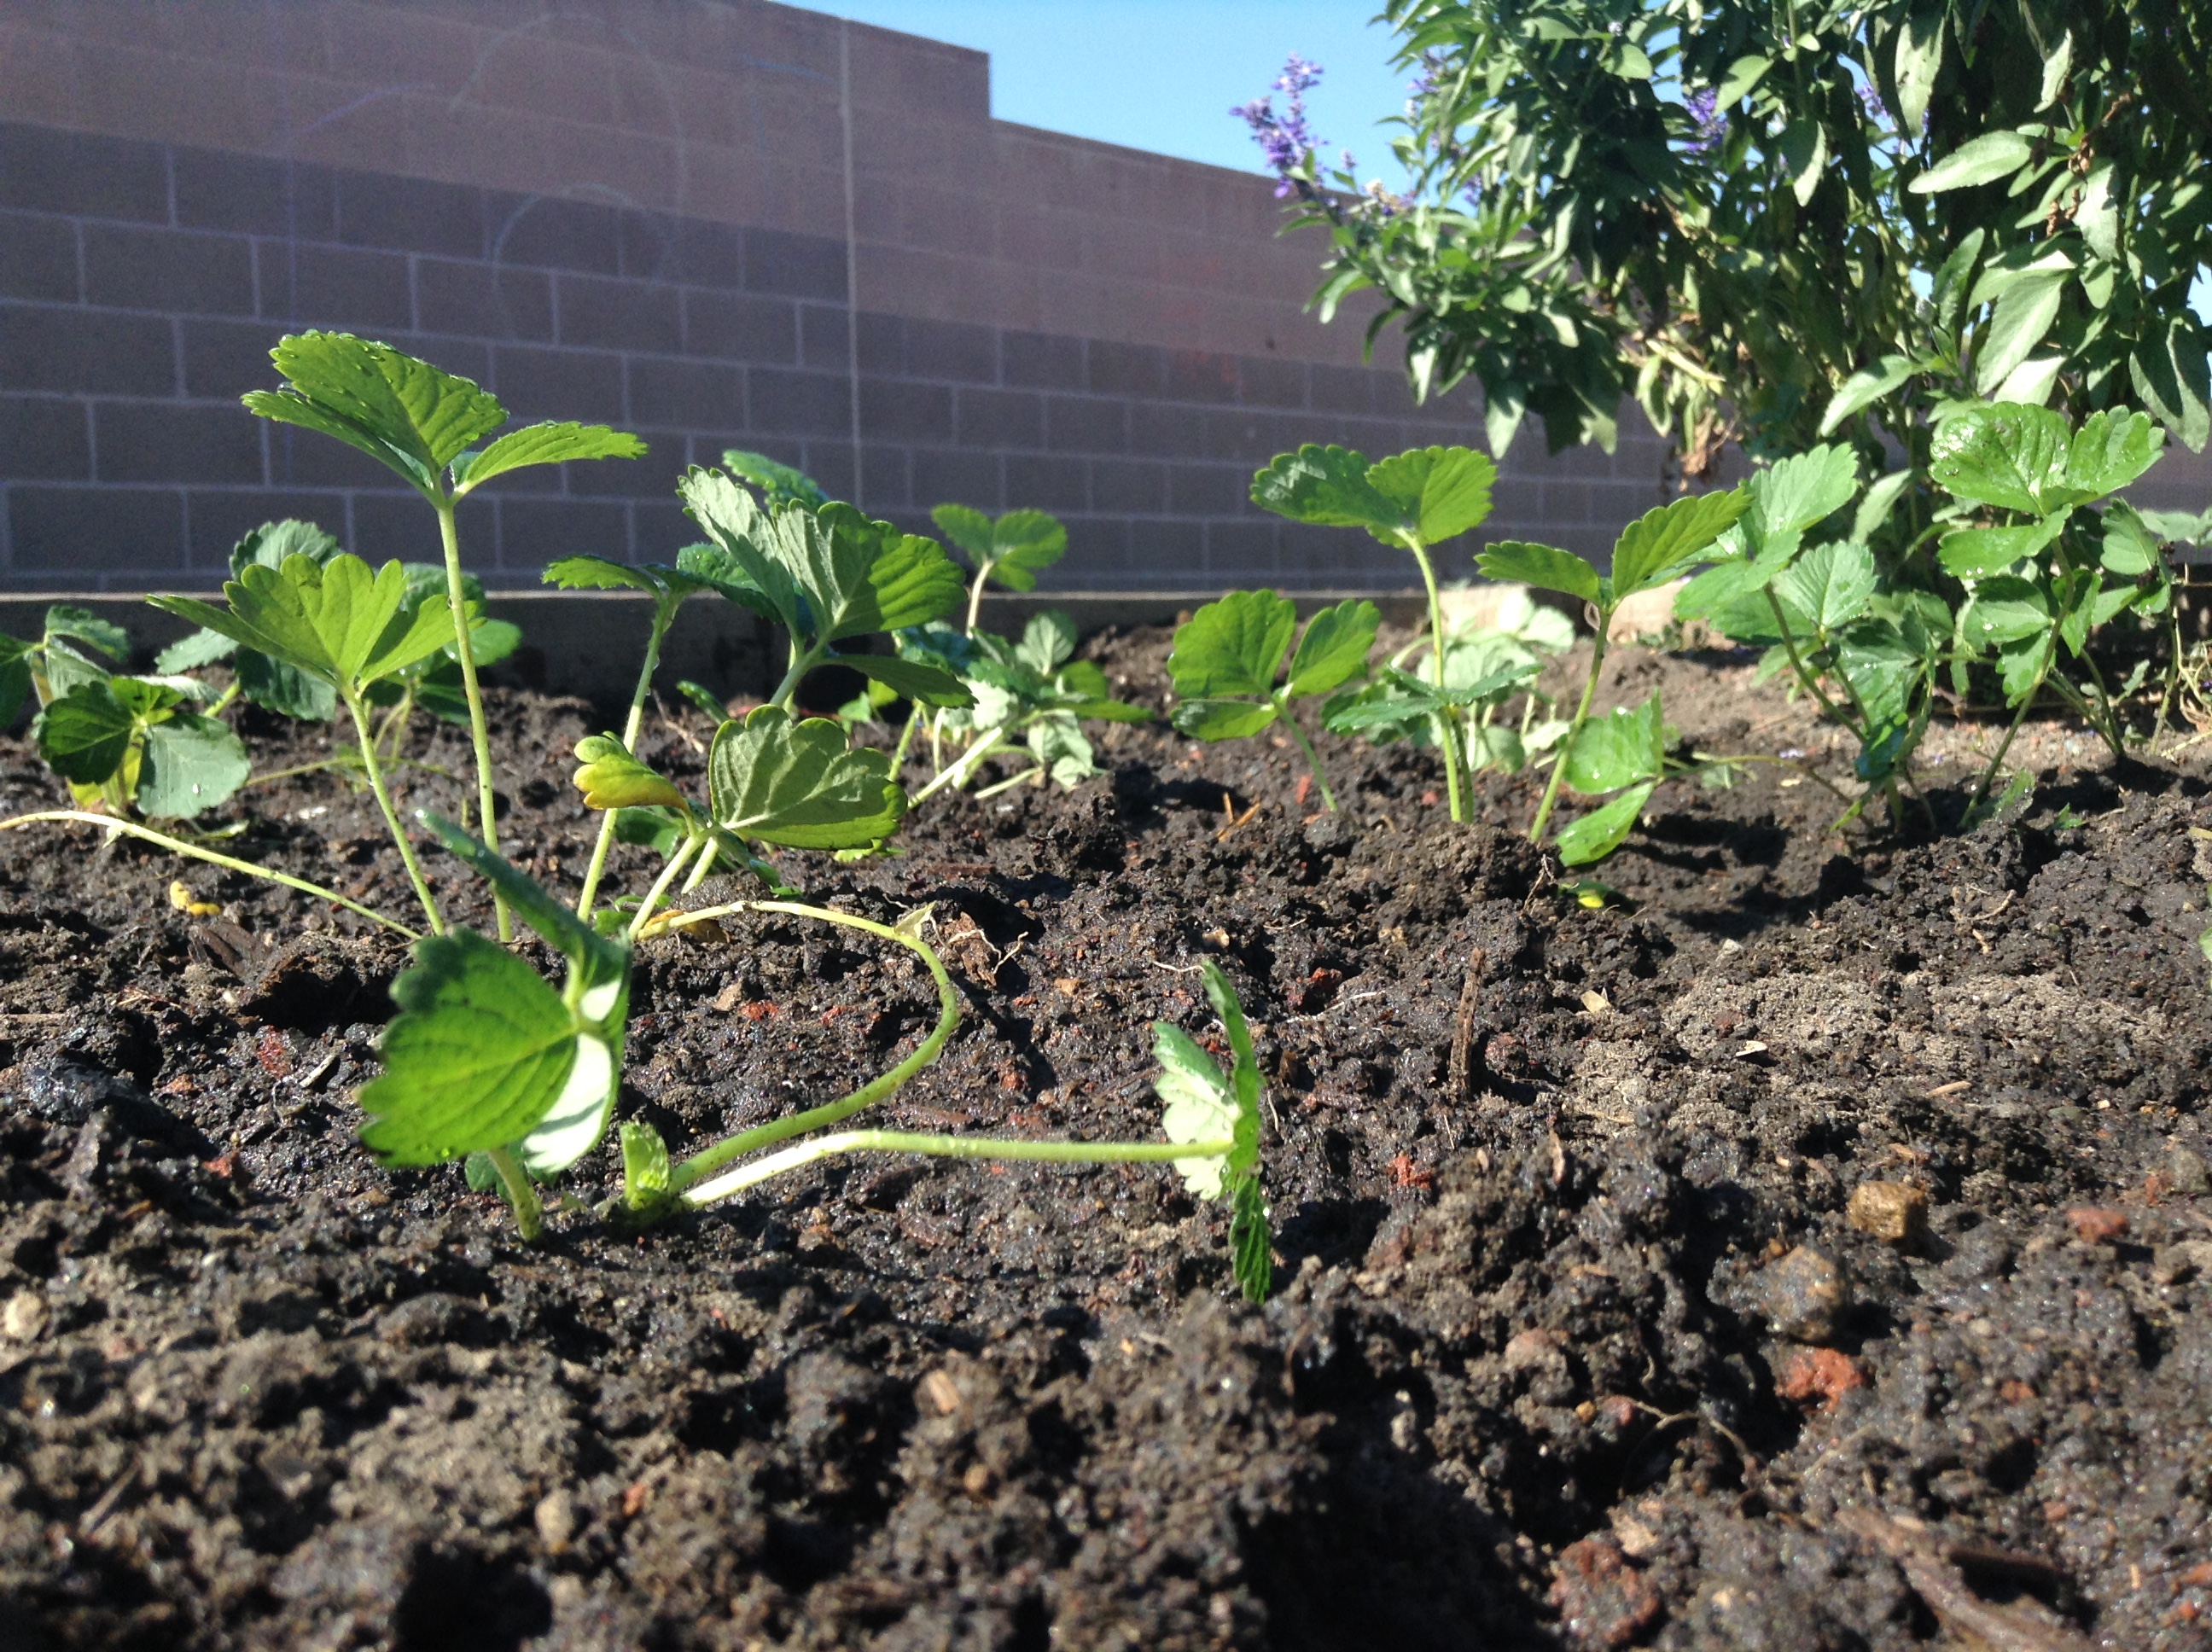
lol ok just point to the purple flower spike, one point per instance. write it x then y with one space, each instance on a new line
1285 139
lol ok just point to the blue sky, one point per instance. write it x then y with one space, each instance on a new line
1162 75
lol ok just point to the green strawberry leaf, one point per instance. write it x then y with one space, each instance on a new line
81 625
1542 565
1976 553
778 781
549 443
610 777
337 622
191 764
273 544
84 735
2110 450
1334 649
778 483
925 684
875 578
1232 646
597 964
1599 833
2009 455
598 574
1656 546
1198 1105
1611 752
1441 491
1831 584
645 1168
399 410
1014 548
1222 719
1329 487
480 1054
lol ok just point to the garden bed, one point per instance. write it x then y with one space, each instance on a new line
1575 1342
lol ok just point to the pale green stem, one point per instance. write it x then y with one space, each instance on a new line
177 846
479 730
1566 746
802 661
1988 774
662 615
514 1181
906 738
1809 678
986 1147
976 596
992 791
879 1088
1312 758
1447 724
391 816
959 773
646 907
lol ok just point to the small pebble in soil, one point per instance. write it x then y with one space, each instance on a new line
1805 1296
2097 1225
24 1317
1895 1213
2185 1170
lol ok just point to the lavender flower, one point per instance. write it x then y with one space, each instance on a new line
1876 109
1285 139
1712 125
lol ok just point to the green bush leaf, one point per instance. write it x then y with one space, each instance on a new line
610 777
1542 565
1617 750
1599 833
399 410
480 1053
1864 388
1328 486
192 763
1232 646
1657 545
2172 375
1983 161
549 443
1442 491
2017 326
1334 649
796 784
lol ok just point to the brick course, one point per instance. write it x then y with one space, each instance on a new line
1113 337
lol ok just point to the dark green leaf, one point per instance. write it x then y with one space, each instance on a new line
779 483
2171 374
1830 584
272 542
1864 388
1804 490
2008 455
1976 552
796 784
2110 450
81 625
193 650
2131 548
2017 326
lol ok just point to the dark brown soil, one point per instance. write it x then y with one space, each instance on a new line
1575 1344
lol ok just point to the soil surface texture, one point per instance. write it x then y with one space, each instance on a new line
1810 1249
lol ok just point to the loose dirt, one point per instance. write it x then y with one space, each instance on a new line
1810 1249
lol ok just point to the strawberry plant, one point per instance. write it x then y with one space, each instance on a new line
1624 754
1412 501
1230 654
423 424
126 744
1010 551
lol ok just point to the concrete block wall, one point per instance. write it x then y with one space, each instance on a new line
716 224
